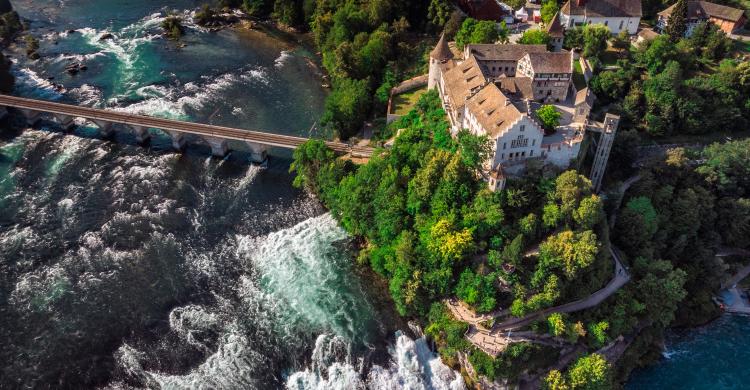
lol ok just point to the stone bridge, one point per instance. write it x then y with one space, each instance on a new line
216 137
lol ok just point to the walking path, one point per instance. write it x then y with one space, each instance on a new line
742 273
495 341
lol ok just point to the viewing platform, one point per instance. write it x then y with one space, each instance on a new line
216 137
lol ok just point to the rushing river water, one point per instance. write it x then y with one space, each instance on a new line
713 357
130 267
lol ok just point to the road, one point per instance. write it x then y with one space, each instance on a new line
169 125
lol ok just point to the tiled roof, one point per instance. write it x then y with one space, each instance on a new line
491 52
493 110
604 8
460 80
699 9
549 62
519 86
441 51
555 29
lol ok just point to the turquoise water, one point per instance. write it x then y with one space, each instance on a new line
714 357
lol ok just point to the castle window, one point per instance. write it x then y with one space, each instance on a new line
523 127
531 153
505 145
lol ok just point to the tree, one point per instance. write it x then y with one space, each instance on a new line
590 211
448 244
590 372
570 188
598 332
534 37
439 12
677 21
556 324
595 38
549 116
473 31
555 381
503 33
621 41
346 106
569 251
475 149
172 26
308 160
548 11
476 290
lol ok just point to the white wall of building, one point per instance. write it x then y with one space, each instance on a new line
521 141
561 154
615 24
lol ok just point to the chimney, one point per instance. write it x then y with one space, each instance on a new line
581 3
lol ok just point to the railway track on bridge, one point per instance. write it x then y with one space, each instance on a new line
174 126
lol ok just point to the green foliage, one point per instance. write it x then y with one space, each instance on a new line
595 38
555 381
590 372
677 21
477 290
589 212
516 358
534 37
473 31
475 149
346 107
598 333
446 331
548 10
569 251
727 167
439 12
10 25
549 116
172 26
556 324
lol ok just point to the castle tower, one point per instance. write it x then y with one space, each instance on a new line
556 33
611 122
438 55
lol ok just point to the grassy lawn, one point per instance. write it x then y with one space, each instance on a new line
578 80
404 102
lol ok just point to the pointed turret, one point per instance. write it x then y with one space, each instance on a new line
556 32
441 52
555 29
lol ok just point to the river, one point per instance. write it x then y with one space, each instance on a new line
124 266
712 357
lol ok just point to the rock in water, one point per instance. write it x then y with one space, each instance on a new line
104 36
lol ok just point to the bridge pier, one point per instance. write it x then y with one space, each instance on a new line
65 121
141 134
219 147
105 128
258 153
178 140
32 116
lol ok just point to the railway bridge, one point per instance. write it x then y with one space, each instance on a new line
216 137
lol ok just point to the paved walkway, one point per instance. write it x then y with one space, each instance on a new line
742 273
621 277
739 304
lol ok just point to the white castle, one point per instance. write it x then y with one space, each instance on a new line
495 90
